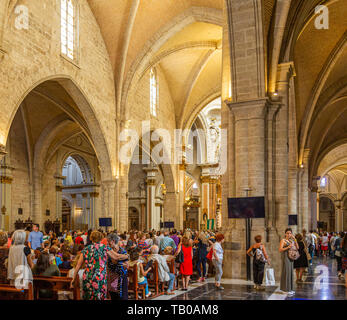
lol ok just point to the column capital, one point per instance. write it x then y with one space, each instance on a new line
249 109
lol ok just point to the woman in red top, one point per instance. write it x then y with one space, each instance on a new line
186 267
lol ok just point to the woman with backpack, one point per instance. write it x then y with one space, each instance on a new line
260 257
289 251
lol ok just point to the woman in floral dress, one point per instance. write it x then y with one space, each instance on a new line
95 274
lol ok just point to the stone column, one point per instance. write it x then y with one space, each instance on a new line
93 214
151 183
338 215
58 192
249 122
85 212
181 194
6 216
205 192
143 215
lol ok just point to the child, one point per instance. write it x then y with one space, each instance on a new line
141 273
66 264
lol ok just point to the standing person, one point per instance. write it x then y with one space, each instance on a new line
94 277
287 278
311 244
19 255
117 272
202 244
217 259
84 237
132 243
175 238
324 244
35 239
186 267
166 242
301 263
339 254
260 257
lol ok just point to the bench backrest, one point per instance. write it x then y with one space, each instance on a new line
56 284
9 292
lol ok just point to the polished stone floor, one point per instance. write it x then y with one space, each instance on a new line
320 283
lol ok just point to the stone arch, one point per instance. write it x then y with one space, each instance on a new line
97 138
193 14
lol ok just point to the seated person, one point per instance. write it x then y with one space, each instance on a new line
163 268
45 268
57 260
66 264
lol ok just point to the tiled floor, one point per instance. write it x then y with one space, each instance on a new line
320 283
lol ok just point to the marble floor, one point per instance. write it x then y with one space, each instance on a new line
320 283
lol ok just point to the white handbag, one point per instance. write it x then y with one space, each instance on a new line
269 277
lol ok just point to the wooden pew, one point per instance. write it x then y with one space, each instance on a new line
9 292
153 280
133 286
64 272
56 284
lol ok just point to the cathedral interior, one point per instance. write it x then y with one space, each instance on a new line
257 88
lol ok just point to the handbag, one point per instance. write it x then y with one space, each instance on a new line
293 253
180 257
209 255
270 277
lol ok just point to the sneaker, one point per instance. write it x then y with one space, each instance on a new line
220 288
291 293
203 279
200 280
148 295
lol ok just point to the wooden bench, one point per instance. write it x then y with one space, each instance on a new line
153 280
134 287
56 284
64 272
9 292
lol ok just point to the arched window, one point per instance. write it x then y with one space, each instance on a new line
153 92
68 28
323 182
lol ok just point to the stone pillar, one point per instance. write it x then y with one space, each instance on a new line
181 194
85 213
59 201
93 215
151 183
338 215
249 117
6 215
205 192
143 215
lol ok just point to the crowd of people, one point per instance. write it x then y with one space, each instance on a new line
102 260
